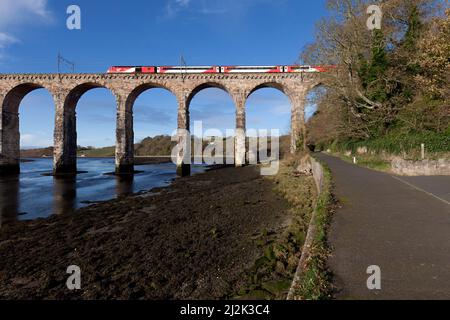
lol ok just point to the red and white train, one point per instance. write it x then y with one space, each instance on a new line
219 69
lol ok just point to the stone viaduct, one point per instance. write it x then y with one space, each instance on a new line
66 90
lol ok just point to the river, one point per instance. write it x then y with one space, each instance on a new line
34 194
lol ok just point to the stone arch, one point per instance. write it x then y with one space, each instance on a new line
296 93
312 88
184 100
204 86
185 107
272 85
314 85
65 136
280 88
16 94
10 131
136 92
129 113
75 94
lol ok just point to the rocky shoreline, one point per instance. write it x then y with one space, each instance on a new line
196 239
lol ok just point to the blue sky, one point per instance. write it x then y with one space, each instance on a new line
157 32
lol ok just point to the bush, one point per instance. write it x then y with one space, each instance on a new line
399 142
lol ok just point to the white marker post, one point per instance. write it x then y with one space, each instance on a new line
422 147
354 160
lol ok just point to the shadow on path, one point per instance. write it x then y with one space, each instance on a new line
401 224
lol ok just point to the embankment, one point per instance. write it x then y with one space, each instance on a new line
227 233
312 280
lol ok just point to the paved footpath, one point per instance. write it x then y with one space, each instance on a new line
401 224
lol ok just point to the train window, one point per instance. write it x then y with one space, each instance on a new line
254 68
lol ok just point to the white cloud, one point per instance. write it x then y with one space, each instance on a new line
182 3
17 13
174 7
6 40
13 12
28 140
281 109
215 7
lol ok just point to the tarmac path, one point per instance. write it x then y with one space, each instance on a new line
401 224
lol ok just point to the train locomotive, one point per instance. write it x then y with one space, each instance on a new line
217 69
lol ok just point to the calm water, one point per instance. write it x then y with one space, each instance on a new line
32 195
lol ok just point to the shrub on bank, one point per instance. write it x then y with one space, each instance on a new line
396 143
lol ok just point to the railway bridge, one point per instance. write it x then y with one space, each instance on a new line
66 90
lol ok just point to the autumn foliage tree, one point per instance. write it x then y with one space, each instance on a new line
393 80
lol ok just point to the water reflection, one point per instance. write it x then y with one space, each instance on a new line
33 194
9 199
124 185
64 194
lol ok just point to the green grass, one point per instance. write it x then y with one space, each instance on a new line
271 275
315 280
374 162
405 144
100 152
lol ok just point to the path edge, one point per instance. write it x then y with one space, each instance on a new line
312 280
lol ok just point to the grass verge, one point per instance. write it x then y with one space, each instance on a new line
315 279
369 161
271 275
